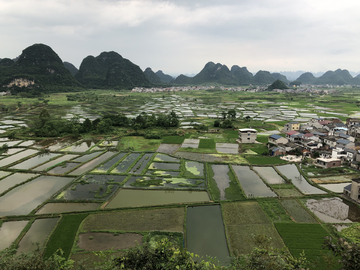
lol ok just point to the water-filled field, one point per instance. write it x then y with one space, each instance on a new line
251 183
136 198
201 222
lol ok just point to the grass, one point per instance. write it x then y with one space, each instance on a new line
274 210
258 160
173 140
305 237
262 138
286 190
64 235
297 211
207 144
257 148
212 186
170 219
198 150
331 171
234 191
137 143
245 220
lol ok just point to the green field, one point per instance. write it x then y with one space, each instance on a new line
244 221
164 219
297 211
308 238
207 144
64 235
137 143
274 210
258 160
173 140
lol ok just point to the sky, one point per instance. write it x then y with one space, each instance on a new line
181 36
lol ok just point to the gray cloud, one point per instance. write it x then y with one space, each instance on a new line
181 36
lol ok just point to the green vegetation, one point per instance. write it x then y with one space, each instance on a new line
137 143
243 221
173 139
257 160
305 237
352 233
64 235
207 143
297 211
274 210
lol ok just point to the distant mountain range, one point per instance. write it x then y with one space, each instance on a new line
40 68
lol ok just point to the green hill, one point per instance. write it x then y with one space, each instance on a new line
164 77
38 67
110 69
241 75
278 84
263 77
70 67
151 76
307 78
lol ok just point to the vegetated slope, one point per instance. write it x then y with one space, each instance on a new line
70 67
278 84
280 77
38 67
218 74
307 78
241 75
110 69
263 77
151 76
164 77
337 77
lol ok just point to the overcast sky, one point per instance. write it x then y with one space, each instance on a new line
182 36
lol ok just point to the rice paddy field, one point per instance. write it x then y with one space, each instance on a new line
110 194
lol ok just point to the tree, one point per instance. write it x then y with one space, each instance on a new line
165 255
232 114
349 253
227 124
223 115
44 116
216 123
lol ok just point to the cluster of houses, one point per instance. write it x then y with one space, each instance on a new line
331 142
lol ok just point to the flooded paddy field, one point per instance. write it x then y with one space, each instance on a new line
109 184
14 179
9 231
201 222
136 198
107 241
269 174
62 207
38 233
251 183
334 210
23 199
34 161
291 172
124 165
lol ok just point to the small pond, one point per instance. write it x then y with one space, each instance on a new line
205 233
137 198
9 231
251 183
270 175
291 172
38 233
